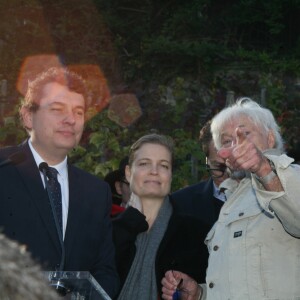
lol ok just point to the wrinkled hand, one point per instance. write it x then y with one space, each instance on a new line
244 155
135 202
189 289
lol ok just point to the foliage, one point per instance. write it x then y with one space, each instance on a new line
197 35
178 57
101 147
11 131
104 144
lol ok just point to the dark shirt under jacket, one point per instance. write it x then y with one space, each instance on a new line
182 247
25 216
198 200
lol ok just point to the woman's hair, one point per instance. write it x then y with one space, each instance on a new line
261 117
152 138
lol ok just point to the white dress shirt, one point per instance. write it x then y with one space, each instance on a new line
62 177
220 195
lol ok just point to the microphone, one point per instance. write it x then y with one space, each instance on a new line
15 159
58 284
43 167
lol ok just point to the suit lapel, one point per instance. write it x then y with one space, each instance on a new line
205 193
204 201
32 180
206 189
75 211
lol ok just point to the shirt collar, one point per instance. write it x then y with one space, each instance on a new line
218 194
61 167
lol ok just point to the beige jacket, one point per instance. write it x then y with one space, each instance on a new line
255 246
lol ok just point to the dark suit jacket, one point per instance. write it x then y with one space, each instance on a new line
25 216
181 248
197 200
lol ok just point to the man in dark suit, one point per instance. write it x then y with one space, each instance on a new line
204 199
53 113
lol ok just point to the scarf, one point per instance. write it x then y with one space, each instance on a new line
141 279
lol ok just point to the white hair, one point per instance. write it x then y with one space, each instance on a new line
261 117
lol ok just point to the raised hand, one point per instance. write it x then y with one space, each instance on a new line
243 154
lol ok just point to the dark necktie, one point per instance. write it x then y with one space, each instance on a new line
54 191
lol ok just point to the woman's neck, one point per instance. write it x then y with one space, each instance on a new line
151 208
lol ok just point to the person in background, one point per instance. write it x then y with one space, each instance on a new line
20 277
122 185
294 152
119 187
204 199
256 241
154 238
75 234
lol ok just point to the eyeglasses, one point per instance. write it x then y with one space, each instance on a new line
216 171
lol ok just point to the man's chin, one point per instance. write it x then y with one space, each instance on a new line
67 146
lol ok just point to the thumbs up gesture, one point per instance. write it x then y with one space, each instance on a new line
243 154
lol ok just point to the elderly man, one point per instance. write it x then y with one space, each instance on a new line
254 246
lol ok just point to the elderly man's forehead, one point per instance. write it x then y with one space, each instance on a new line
239 121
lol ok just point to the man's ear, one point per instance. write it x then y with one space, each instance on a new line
26 115
271 139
